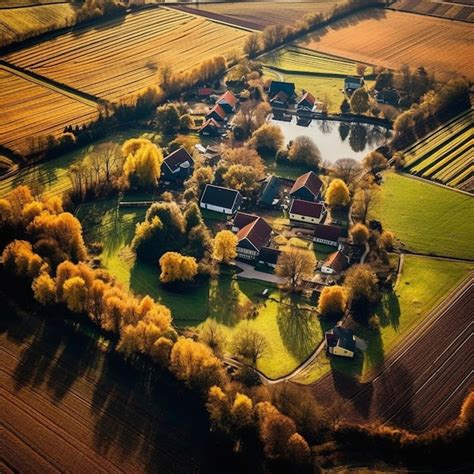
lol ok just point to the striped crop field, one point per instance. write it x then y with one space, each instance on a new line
122 56
446 155
31 109
19 23
446 9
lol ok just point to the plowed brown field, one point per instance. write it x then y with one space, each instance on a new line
392 39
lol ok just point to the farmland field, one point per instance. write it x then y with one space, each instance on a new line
18 23
425 217
30 109
445 155
122 56
258 15
446 9
392 39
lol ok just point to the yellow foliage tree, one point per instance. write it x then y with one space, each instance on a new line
225 246
75 294
161 351
242 411
44 289
333 300
467 409
143 162
177 267
359 233
298 450
337 194
19 258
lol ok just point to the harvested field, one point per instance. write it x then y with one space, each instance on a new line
30 109
422 384
391 39
450 10
19 23
258 15
122 56
445 155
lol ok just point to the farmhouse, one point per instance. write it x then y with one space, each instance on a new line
269 195
219 199
210 128
269 256
341 342
252 237
329 235
178 165
217 113
305 213
335 264
307 187
241 219
227 101
280 99
352 83
288 89
306 102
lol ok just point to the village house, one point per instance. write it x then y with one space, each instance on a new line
210 128
204 92
269 256
220 199
335 263
307 187
305 213
280 99
341 342
178 165
227 101
330 235
281 93
217 113
270 194
241 219
352 83
252 236
306 103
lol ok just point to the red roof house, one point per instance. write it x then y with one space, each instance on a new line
307 187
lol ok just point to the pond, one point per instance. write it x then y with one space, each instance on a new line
336 139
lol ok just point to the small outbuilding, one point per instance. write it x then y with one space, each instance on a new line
220 199
341 342
270 193
352 83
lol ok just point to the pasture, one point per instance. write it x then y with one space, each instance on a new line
451 10
445 155
119 57
31 109
425 217
392 39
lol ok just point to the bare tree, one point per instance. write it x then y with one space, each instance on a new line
294 264
249 344
346 169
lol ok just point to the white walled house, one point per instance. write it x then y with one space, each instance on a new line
219 199
253 233
340 342
306 213
332 235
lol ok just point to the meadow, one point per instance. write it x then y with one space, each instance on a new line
119 57
425 217
31 109
424 283
445 155
392 39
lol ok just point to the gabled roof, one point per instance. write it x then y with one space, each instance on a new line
241 219
219 196
219 111
280 97
228 97
270 190
342 337
204 91
257 233
308 97
287 87
269 255
306 208
337 261
329 232
210 123
310 181
178 158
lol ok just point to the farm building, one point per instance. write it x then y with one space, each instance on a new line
329 235
241 219
210 128
252 237
217 113
307 187
280 99
305 213
204 92
306 102
341 342
335 264
352 83
269 256
269 195
178 165
288 88
227 101
219 199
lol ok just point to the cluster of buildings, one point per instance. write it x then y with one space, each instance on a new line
218 116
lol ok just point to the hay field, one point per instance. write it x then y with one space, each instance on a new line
20 23
29 109
449 10
122 56
261 14
392 39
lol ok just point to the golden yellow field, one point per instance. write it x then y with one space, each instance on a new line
122 56
18 23
29 109
392 39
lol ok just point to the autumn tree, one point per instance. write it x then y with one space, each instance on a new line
213 336
18 257
275 431
168 119
268 138
361 283
251 116
346 169
44 289
187 142
304 150
467 409
365 197
225 246
249 344
294 264
360 101
332 301
195 185
337 194
252 45
75 294
177 267
375 162
243 178
244 156
387 240
359 233
298 452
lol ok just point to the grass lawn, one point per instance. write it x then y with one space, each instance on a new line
426 218
424 283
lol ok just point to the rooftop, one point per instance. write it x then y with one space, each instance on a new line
309 180
306 208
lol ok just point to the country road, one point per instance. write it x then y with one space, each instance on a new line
423 382
68 407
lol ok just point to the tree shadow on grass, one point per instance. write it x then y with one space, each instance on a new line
389 310
224 301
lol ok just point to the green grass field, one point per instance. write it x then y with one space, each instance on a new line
426 218
424 283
